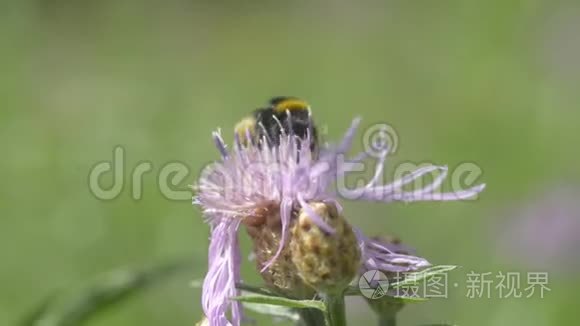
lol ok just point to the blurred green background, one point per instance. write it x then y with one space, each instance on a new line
490 82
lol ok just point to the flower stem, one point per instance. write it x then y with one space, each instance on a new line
336 309
387 320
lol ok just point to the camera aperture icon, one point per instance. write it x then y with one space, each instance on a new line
373 284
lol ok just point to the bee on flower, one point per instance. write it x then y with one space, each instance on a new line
277 182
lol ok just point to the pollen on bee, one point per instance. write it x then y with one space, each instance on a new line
245 126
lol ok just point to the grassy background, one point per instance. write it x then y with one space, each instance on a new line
492 82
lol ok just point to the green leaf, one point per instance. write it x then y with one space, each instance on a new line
255 289
274 311
271 310
279 301
79 306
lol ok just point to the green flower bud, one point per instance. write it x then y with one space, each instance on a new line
327 262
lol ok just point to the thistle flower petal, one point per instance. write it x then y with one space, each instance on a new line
387 257
223 274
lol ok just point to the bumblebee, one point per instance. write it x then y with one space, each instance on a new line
284 115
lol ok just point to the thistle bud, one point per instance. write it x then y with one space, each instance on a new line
327 262
387 307
282 275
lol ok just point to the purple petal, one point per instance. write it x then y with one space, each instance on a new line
317 219
220 144
380 255
348 137
223 273
285 215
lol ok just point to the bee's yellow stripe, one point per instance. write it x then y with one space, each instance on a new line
248 123
291 105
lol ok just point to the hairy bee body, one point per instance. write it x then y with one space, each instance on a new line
283 116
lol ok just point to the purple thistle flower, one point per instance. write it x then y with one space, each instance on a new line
393 259
385 256
252 179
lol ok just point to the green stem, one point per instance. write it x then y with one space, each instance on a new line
336 309
387 320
